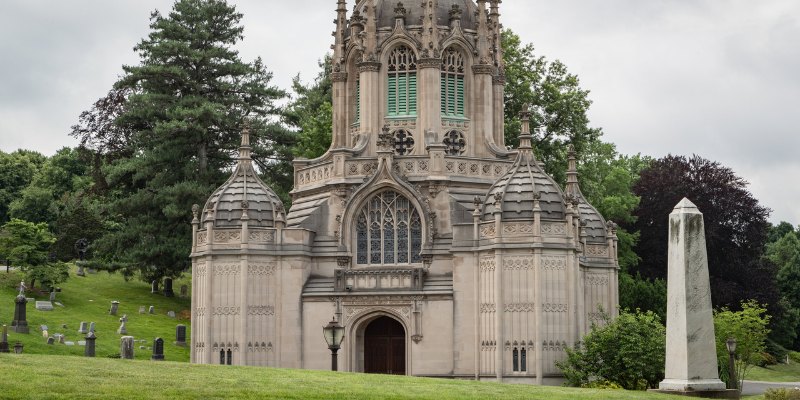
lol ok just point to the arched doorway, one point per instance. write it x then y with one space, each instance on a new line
385 347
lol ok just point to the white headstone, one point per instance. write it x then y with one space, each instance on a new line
691 350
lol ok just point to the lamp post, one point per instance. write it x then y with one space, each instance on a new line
334 334
733 382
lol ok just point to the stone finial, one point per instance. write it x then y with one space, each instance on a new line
244 149
573 187
399 10
525 132
455 13
195 213
385 139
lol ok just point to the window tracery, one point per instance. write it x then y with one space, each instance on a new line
403 142
455 143
388 231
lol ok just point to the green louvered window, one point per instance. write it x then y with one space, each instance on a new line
402 96
452 83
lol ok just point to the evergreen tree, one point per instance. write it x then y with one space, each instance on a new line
186 105
311 113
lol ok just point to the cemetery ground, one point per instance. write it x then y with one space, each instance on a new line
58 377
88 299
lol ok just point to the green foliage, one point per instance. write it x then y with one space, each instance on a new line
17 170
642 293
310 113
782 394
558 103
628 351
749 328
28 245
735 225
181 112
78 219
784 252
602 385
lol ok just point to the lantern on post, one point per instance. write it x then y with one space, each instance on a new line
334 334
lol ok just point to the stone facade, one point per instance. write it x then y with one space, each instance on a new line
417 213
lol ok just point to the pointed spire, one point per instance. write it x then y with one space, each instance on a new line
339 34
573 188
483 34
497 35
244 149
525 132
430 30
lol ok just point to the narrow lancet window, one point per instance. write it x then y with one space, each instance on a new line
452 83
402 94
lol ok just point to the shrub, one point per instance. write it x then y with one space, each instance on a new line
794 356
601 385
782 394
749 328
628 351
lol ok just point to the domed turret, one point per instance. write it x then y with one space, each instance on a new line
516 191
593 224
243 196
386 11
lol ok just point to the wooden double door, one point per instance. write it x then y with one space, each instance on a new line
385 347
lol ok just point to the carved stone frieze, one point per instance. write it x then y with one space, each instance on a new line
226 269
554 228
260 310
519 307
554 263
226 311
518 262
261 269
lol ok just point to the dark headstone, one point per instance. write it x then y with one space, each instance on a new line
114 308
154 287
20 322
126 348
83 328
4 341
51 340
91 327
184 291
89 350
158 350
180 335
168 288
152 310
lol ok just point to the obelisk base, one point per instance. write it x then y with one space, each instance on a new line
704 394
703 388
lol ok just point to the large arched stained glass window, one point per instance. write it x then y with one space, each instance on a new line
388 231
452 83
402 70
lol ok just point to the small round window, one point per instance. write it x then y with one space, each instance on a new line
454 142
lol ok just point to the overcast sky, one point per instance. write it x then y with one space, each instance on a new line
720 79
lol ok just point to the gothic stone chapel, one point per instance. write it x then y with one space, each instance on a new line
440 251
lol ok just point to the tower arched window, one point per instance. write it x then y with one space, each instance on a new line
402 70
388 231
452 83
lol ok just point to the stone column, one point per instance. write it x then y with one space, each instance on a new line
429 108
371 100
340 114
691 351
482 107
20 322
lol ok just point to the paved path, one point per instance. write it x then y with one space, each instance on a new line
759 387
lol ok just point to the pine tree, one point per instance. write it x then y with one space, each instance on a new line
188 100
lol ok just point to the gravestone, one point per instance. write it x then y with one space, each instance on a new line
142 309
180 335
114 308
89 350
154 287
168 288
42 328
152 310
69 343
44 306
51 340
171 314
124 318
126 348
691 362
59 337
123 330
83 328
52 296
158 350
64 326
4 341
91 327
81 343
20 322
184 291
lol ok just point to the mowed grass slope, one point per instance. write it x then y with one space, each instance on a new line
89 299
57 377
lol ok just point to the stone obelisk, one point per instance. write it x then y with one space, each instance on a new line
691 351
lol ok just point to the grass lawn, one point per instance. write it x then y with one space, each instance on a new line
775 373
89 299
28 376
